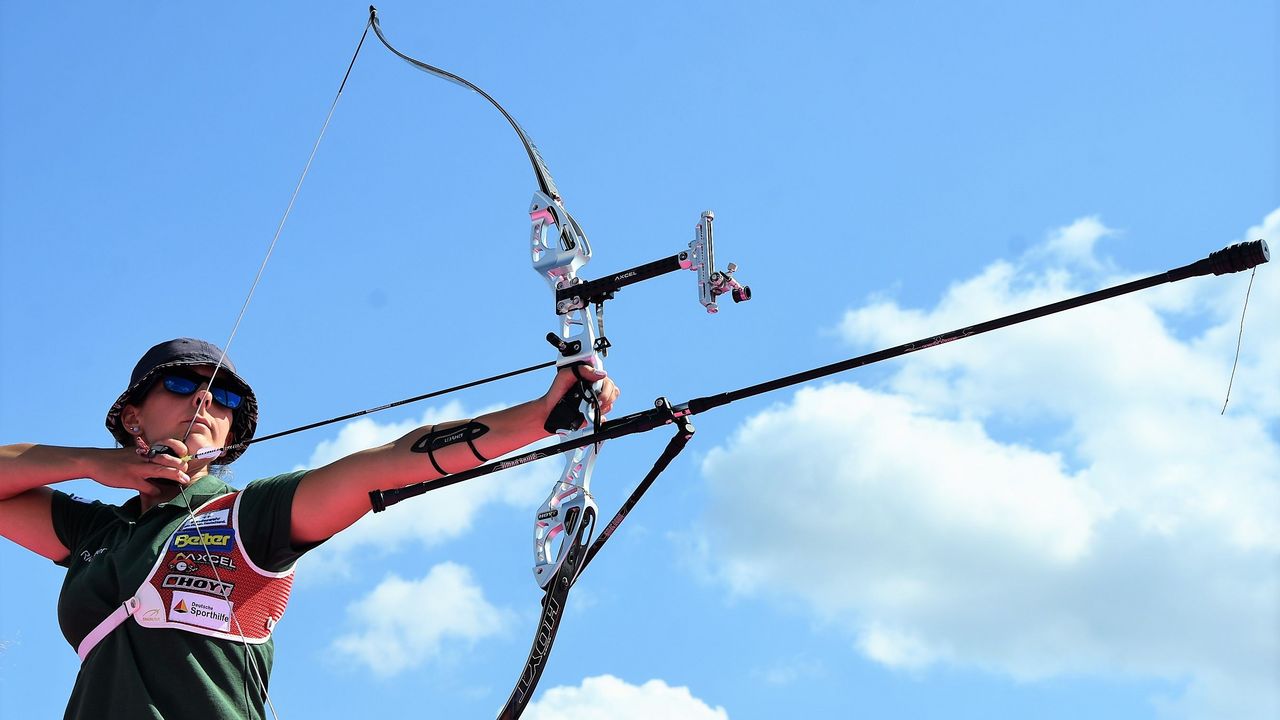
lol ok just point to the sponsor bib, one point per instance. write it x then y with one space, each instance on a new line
204 581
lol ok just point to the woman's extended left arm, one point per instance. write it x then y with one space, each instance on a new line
329 499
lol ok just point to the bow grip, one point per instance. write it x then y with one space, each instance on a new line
567 414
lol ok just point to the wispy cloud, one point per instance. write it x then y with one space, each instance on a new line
789 670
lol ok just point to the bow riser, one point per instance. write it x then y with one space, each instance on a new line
560 255
558 250
568 507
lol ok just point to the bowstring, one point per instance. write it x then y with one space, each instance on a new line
262 267
256 676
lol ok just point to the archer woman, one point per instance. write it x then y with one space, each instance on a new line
170 598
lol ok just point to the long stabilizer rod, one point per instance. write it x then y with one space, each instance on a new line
1236 258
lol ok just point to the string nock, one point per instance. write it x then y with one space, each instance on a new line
1238 257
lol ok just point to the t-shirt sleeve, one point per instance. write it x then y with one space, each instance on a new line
75 520
266 516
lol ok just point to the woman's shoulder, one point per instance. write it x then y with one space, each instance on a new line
271 495
85 509
77 519
265 518
276 483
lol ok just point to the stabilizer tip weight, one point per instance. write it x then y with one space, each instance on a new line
1238 257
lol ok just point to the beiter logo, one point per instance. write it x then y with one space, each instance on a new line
212 540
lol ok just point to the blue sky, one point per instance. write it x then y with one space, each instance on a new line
1052 521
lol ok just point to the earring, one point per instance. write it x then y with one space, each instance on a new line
135 430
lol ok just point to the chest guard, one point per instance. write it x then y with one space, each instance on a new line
204 582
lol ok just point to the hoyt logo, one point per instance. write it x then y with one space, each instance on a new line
199 584
219 541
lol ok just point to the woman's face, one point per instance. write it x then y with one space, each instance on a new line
166 415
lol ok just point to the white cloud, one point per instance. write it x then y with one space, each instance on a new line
1061 497
608 698
1074 243
434 518
895 648
403 623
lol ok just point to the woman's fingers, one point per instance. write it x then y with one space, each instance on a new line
146 468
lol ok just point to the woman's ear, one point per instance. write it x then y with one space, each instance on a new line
131 419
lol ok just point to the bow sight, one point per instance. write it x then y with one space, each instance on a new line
574 294
700 257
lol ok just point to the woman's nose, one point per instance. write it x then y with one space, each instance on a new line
202 397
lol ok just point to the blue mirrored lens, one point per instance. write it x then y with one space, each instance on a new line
181 386
226 398
186 386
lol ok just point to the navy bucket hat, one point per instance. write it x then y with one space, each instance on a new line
187 352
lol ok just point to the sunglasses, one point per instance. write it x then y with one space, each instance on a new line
180 383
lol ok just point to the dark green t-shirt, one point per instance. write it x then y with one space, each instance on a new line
135 672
